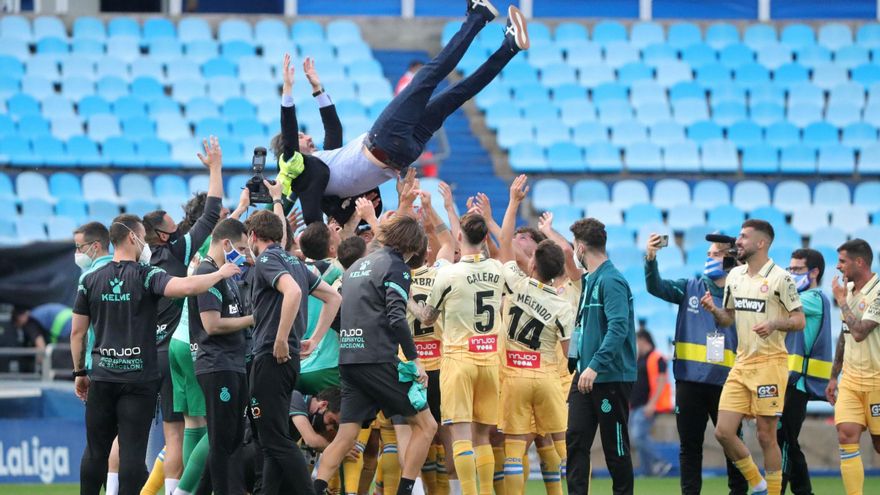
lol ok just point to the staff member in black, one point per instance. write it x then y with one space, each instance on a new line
215 326
119 300
280 284
373 326
172 251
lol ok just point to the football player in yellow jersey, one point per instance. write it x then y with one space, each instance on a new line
857 401
761 298
466 298
537 318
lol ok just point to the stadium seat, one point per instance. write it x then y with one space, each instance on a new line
585 192
770 214
64 185
36 208
681 157
720 35
671 192
98 186
750 194
603 157
866 195
526 157
565 157
626 193
30 229
628 132
808 220
683 217
829 194
607 213
797 35
719 156
548 193
849 219
643 157
639 215
32 185
60 228
84 151
725 215
835 36
745 133
709 193
836 159
760 159
667 132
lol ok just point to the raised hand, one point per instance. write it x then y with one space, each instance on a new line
839 290
274 189
484 206
519 189
545 222
288 72
213 157
311 73
296 219
446 193
707 302
365 209
229 270
652 247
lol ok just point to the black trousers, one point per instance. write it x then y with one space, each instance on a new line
225 400
309 187
271 385
606 408
112 409
696 403
794 465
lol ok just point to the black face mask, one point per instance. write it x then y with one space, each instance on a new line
318 423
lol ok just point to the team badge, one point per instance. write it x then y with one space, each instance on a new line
225 395
862 305
765 287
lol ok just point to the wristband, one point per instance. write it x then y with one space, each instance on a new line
316 93
278 202
82 372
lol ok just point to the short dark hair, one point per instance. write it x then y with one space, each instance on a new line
277 145
858 248
813 259
192 211
122 226
646 336
94 232
403 233
152 224
315 241
351 250
228 229
534 233
474 228
333 396
289 241
761 226
591 232
265 225
549 260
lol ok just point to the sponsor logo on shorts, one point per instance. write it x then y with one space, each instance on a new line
875 410
428 349
768 391
524 359
479 343
606 406
224 394
751 305
256 412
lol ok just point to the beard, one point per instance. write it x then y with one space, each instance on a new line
744 255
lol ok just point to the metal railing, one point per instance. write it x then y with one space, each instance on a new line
49 364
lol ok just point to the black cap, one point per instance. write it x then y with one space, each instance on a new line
720 238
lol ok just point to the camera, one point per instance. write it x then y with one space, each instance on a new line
730 256
258 191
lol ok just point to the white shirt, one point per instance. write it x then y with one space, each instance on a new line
351 172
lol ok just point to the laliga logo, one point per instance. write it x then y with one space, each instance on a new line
693 302
30 459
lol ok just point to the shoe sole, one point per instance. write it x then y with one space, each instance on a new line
492 9
522 32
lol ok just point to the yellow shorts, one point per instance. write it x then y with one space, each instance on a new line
533 405
862 408
566 379
469 392
755 392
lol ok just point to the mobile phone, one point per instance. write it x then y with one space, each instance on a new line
664 241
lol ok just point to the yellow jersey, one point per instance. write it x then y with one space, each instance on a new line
468 296
426 338
769 295
861 360
536 319
571 291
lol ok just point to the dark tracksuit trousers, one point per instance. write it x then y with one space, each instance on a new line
225 399
794 465
271 385
696 403
605 408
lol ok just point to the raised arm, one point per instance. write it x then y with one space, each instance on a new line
196 284
859 328
446 245
329 117
289 125
518 191
215 325
213 161
545 226
668 290
449 206
365 209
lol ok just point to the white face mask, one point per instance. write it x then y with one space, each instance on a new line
577 261
146 253
83 261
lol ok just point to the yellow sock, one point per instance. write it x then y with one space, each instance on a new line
563 456
498 477
157 476
465 466
333 484
442 487
526 467
485 462
514 456
749 470
351 470
380 481
851 469
550 464
389 464
774 482
429 470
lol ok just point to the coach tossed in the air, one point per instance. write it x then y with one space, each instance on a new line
703 355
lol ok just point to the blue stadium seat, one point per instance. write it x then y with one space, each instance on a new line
607 213
797 35
629 192
614 112
851 56
790 195
509 135
847 93
836 159
788 75
219 66
30 229
811 56
720 35
119 151
803 114
199 183
64 185
102 210
582 53
684 34
699 55
6 189
868 35
843 114
643 156
89 28
135 186
719 156
140 206
60 228
704 130
827 75
76 88
671 192
686 90
606 32
798 159
576 112
782 134
270 30
16 149
568 31
641 214
526 157
681 157
667 132
674 72
684 217
847 218
546 135
193 29
248 127
618 54
93 105
235 50
32 185
745 133
774 56
38 87
200 51
628 132
84 151
102 126
158 28
866 195
766 93
98 185
690 111
154 152
770 214
726 215
809 220
21 104
820 134
643 34
88 49
33 126
311 31
592 75
548 193
342 30
15 27
835 35
619 236
588 191
644 92
147 89
148 67
760 159
653 113
750 194
64 127
829 194
603 157
658 54
726 113
866 74
759 36
234 29
736 55
558 75
565 157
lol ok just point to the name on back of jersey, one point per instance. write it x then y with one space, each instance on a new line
492 278
533 304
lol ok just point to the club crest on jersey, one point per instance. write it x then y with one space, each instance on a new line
862 305
765 287
751 305
768 391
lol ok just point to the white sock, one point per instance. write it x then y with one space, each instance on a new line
112 484
418 487
178 491
170 485
454 487
760 486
